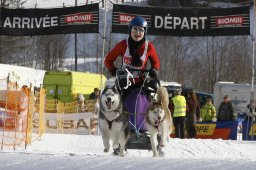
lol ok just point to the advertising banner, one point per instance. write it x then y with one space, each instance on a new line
73 123
219 130
29 22
185 21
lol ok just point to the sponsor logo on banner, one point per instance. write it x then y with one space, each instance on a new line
125 18
205 129
253 130
201 129
65 123
127 60
78 18
230 20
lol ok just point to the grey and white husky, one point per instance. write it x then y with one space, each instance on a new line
113 123
159 121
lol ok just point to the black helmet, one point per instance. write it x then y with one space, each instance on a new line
138 21
151 85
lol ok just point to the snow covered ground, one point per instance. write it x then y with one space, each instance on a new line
62 151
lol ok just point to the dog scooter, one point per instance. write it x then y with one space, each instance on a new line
136 105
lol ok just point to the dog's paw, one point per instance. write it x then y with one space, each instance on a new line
155 155
121 154
116 151
161 153
106 150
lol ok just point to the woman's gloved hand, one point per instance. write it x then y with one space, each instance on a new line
153 73
113 72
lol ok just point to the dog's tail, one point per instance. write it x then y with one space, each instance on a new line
162 96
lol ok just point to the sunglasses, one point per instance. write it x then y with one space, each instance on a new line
137 29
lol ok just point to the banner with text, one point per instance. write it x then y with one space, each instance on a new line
72 123
185 21
29 22
219 130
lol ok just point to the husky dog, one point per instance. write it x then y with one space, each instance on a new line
113 122
159 121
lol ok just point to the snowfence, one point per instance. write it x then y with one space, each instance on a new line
16 114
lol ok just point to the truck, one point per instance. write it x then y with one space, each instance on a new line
66 85
239 94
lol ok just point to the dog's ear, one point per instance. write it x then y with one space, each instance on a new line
113 89
151 106
104 91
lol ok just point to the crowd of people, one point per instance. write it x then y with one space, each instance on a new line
186 113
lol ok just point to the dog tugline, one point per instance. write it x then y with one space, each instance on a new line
134 112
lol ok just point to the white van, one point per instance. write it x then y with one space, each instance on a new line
171 87
239 95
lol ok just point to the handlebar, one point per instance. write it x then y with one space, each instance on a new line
126 74
133 69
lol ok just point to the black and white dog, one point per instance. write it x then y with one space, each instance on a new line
113 123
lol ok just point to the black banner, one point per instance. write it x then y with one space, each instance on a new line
29 22
185 21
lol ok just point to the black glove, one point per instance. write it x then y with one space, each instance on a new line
113 71
153 73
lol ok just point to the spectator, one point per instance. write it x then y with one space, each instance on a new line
95 94
251 110
178 108
208 111
193 114
23 109
226 110
81 102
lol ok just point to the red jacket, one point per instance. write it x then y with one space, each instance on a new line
120 48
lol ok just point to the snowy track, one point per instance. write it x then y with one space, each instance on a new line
59 151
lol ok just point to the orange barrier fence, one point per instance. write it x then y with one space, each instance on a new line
17 108
26 115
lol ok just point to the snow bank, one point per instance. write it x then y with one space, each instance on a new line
23 75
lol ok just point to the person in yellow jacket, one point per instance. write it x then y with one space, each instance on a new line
178 107
208 111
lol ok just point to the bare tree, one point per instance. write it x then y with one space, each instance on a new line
51 50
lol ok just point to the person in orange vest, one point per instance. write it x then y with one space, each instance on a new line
178 107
